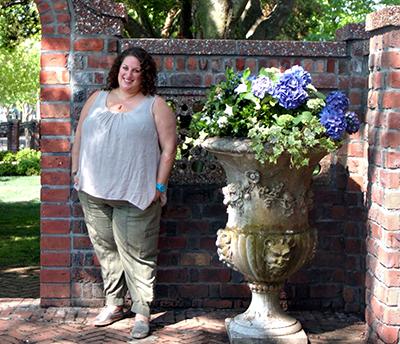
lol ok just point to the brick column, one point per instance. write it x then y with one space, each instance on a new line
353 157
383 117
74 34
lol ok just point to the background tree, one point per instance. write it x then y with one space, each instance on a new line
246 19
19 55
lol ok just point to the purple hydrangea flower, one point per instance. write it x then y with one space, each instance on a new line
334 122
352 122
338 101
262 85
291 87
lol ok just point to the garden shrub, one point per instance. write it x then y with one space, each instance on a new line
25 162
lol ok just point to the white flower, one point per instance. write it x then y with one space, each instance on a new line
229 110
222 121
241 88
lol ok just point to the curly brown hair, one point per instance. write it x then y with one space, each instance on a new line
147 66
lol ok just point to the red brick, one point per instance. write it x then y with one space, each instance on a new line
373 98
394 79
54 195
53 60
195 258
89 44
55 128
55 210
392 278
55 242
240 64
168 63
377 80
389 334
171 243
214 275
54 77
54 145
60 5
103 61
355 97
51 302
55 259
82 243
330 66
377 307
392 159
393 120
234 291
59 290
58 275
325 291
55 94
358 82
63 18
48 30
390 139
391 100
63 29
55 227
42 6
59 43
53 161
180 64
391 59
54 110
47 19
213 303
325 80
192 63
355 149
193 290
172 275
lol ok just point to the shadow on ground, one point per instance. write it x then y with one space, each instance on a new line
19 282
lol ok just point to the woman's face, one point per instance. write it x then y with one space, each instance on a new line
129 76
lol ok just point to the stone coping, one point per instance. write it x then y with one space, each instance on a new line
388 16
238 47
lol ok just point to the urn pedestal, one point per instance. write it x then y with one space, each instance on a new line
267 237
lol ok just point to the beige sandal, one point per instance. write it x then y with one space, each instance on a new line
108 316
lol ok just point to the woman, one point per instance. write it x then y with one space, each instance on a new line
123 152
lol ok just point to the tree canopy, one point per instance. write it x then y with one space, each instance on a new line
245 19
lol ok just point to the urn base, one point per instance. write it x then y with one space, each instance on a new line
299 337
265 322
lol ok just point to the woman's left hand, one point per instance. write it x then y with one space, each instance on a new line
157 196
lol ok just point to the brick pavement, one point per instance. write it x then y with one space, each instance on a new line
22 321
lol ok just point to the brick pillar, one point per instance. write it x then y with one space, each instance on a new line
72 35
353 157
383 117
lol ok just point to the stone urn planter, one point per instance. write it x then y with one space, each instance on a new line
267 237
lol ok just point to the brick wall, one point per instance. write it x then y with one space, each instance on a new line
383 241
78 46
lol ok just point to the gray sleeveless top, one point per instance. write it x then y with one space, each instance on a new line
119 153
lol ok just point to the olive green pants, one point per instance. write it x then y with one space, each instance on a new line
125 240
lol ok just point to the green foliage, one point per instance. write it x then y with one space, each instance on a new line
25 162
19 70
18 22
232 109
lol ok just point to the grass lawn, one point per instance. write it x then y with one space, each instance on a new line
19 221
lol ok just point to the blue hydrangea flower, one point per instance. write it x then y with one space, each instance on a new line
338 101
291 87
334 122
352 122
262 85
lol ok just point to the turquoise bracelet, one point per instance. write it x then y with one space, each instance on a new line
161 187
